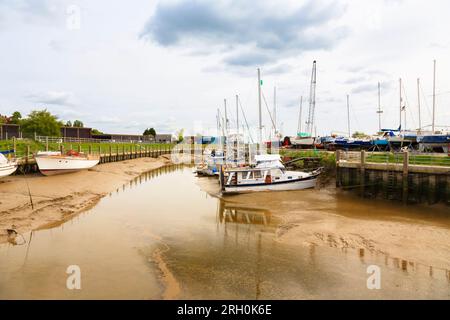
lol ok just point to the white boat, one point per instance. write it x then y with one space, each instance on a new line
211 165
51 163
7 167
303 142
269 174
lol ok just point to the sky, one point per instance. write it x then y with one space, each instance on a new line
122 66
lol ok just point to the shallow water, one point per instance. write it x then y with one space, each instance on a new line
163 236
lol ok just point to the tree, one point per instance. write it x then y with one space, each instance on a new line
69 123
180 135
95 131
150 132
16 117
41 122
78 124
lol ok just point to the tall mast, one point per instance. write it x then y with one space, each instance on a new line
400 104
379 107
348 116
226 117
312 100
259 107
418 103
237 114
275 109
299 126
434 94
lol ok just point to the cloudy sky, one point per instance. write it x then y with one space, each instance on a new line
124 66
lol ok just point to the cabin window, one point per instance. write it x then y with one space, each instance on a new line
257 174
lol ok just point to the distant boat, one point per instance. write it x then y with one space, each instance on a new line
51 163
7 167
269 174
435 142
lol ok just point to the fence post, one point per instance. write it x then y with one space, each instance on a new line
79 147
46 143
61 149
405 176
90 149
14 145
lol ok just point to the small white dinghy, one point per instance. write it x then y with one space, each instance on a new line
7 167
269 174
51 162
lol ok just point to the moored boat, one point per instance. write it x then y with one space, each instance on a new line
51 163
269 174
7 167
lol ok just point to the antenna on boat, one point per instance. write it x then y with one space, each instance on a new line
379 107
434 94
418 103
348 116
299 126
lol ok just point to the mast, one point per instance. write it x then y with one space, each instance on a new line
226 117
275 109
299 126
348 116
259 108
400 104
312 100
418 103
237 114
434 94
379 107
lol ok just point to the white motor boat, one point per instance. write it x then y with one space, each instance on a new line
269 174
51 163
7 167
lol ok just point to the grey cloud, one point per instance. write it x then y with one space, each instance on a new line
237 28
61 98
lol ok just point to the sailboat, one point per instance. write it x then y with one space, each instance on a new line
53 162
436 141
269 173
7 167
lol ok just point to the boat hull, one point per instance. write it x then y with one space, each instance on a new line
281 186
59 165
8 169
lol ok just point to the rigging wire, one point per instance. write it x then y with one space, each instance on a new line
245 119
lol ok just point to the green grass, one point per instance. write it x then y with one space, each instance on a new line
21 146
326 159
414 159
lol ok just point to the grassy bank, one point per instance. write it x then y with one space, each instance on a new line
103 147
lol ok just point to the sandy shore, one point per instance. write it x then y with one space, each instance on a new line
59 198
415 234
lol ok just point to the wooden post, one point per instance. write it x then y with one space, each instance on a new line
46 143
61 148
14 145
362 179
90 149
28 153
338 176
405 176
79 147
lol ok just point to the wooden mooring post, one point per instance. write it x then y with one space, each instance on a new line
405 177
362 178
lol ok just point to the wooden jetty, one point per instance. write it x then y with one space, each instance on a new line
396 178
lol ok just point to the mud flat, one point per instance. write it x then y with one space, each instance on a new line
59 198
